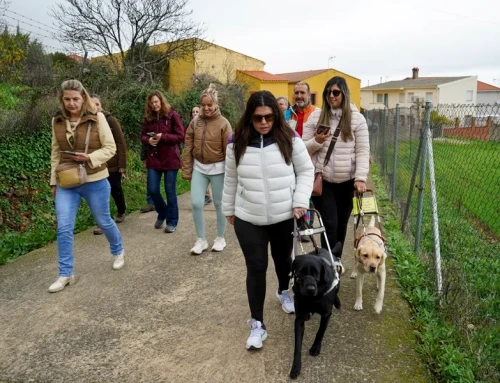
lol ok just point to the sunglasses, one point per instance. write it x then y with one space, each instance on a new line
335 92
258 118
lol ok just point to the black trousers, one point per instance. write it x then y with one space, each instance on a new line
115 180
254 241
335 207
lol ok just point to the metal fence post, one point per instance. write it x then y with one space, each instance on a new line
422 176
435 218
395 157
384 144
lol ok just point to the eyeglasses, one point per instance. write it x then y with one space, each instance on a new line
335 92
258 118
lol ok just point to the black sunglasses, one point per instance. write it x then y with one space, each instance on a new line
258 118
335 92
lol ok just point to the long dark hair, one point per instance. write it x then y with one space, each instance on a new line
345 121
281 132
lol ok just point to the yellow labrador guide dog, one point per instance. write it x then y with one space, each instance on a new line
369 256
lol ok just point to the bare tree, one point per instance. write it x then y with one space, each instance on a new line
124 30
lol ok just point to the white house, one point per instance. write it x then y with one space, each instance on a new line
411 90
487 94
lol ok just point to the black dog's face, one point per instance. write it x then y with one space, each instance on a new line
308 271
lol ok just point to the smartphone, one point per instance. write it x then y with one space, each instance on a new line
151 134
323 129
69 152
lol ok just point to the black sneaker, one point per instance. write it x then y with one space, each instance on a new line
208 200
159 223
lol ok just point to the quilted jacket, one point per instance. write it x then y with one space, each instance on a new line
349 160
263 189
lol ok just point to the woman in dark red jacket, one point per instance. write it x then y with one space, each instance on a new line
162 132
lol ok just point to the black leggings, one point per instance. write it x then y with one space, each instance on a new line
254 241
335 207
115 180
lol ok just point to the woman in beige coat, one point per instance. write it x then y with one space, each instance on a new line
347 167
203 163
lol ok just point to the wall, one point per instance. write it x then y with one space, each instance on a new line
454 92
180 73
222 63
369 97
489 98
275 87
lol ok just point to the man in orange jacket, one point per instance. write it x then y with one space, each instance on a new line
302 108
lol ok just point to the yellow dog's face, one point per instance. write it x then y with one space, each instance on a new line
370 255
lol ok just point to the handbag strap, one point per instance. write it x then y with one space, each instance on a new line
87 138
332 145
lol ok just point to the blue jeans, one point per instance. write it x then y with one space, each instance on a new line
166 211
67 201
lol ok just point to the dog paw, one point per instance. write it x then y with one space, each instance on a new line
315 350
295 371
358 306
378 307
354 274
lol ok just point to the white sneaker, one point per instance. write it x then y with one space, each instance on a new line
61 283
286 301
258 334
119 261
219 244
200 246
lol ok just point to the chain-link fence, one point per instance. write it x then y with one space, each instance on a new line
442 167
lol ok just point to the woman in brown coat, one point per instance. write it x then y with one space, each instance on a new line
203 163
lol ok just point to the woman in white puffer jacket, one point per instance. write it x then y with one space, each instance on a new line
268 180
348 165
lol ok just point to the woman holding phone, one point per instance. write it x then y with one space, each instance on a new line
77 119
162 132
346 169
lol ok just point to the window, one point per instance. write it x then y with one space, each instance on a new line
468 95
428 96
313 98
410 96
380 98
401 97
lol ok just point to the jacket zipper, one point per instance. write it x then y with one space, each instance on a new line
264 175
203 140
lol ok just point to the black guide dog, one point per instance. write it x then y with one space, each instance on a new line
316 286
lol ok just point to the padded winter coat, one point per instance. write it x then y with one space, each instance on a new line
263 189
349 160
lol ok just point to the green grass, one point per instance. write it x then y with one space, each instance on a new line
467 177
42 227
460 337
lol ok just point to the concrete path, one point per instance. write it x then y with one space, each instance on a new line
170 317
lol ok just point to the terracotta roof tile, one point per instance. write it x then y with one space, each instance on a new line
482 86
264 76
299 76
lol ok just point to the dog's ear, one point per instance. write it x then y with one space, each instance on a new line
337 250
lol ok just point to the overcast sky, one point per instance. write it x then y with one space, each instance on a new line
371 40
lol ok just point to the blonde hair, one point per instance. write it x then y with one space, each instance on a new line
211 93
87 106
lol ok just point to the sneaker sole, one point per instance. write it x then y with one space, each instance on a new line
258 348
217 251
195 253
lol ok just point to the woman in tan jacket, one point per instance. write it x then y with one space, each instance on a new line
203 163
76 120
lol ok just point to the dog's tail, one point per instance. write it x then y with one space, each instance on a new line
372 221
